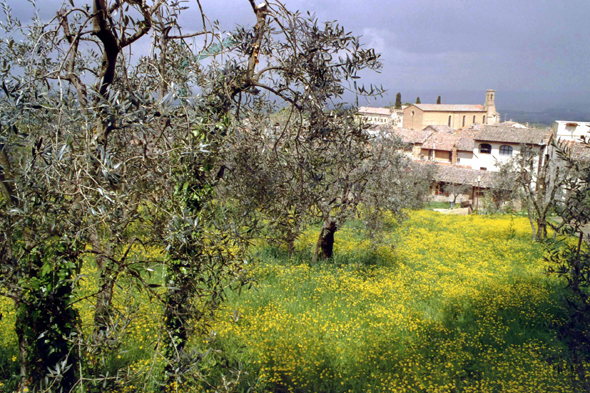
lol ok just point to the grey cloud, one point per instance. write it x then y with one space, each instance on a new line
451 45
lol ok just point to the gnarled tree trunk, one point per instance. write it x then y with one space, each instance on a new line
325 246
541 228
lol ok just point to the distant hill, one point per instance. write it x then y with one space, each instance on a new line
547 116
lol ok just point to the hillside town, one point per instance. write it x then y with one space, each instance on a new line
468 142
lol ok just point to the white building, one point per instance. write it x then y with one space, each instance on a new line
381 116
495 145
571 130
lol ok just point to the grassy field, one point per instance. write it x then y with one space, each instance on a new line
447 304
442 304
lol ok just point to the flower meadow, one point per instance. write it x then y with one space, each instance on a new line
440 304
447 304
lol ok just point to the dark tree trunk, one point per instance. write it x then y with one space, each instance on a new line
45 325
541 229
106 283
325 246
175 329
102 313
23 347
291 246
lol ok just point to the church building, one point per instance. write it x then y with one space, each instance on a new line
419 116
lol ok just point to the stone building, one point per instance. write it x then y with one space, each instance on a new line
414 140
419 116
380 116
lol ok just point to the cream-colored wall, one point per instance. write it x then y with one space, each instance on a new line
442 119
412 122
378 119
436 155
572 132
493 161
416 149
465 158
442 156
422 119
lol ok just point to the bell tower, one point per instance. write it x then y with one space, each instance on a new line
492 117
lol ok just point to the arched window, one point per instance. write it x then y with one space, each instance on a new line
449 121
485 148
412 113
484 120
463 122
505 150
473 119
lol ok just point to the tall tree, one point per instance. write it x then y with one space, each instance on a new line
571 259
418 100
293 176
438 100
398 101
104 156
540 177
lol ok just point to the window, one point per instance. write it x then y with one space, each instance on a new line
474 119
483 169
485 148
412 113
463 122
449 121
484 120
505 150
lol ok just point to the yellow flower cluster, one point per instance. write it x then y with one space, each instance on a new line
462 304
443 304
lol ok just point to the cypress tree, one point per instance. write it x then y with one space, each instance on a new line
418 100
398 101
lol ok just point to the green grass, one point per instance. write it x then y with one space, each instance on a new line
447 304
438 205
441 304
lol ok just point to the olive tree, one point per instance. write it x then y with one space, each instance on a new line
540 178
105 150
291 176
569 255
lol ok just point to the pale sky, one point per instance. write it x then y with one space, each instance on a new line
534 53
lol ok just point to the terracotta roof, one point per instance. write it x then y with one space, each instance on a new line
450 108
412 136
512 135
456 175
368 110
512 124
440 141
465 141
465 144
438 128
467 132
461 139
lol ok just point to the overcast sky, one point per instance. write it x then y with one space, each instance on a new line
533 53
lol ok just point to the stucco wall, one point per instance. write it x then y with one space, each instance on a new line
378 119
465 158
442 119
572 132
412 118
422 119
493 161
